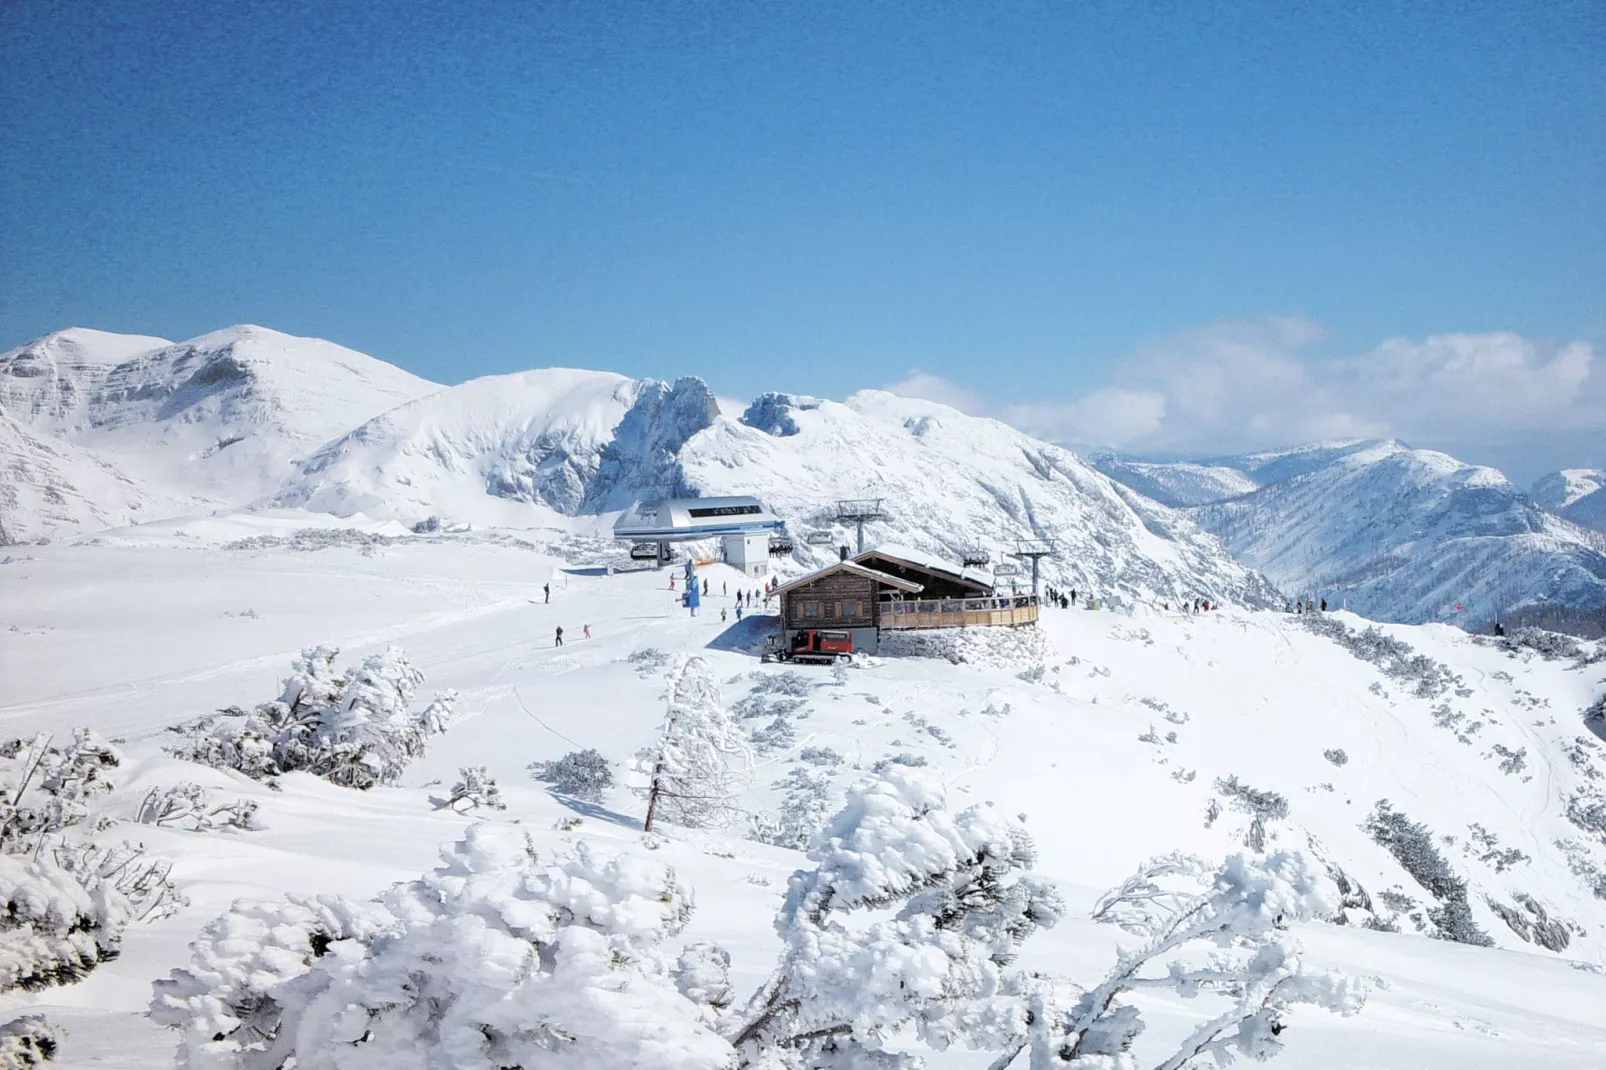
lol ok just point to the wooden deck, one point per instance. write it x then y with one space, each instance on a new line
959 613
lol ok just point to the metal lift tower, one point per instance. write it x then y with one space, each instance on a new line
1034 550
858 510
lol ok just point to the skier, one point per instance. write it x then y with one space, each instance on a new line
1073 596
559 641
671 581
725 588
546 589
1324 605
705 588
588 631
722 613
738 613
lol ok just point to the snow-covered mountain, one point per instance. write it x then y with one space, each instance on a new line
1395 533
1579 494
515 449
220 418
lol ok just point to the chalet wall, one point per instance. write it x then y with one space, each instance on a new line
840 600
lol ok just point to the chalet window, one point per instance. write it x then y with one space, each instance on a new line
858 609
811 609
839 609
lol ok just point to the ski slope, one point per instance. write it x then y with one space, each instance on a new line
1048 723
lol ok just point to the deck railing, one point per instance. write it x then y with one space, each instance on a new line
1000 611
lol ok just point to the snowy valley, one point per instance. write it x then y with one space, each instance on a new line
1395 533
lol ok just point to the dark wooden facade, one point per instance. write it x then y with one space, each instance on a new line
835 599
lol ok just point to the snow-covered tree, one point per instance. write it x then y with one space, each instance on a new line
1221 933
356 728
959 899
499 958
474 788
583 774
702 759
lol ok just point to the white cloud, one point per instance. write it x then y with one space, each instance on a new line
928 387
1252 384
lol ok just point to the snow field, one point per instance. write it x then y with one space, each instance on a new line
1249 695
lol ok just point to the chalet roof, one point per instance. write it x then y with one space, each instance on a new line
925 562
858 570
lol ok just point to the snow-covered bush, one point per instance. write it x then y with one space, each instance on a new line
1552 646
1337 756
583 774
1397 659
63 912
805 809
1411 844
702 758
189 806
1179 906
355 727
1261 806
51 788
498 958
911 916
474 788
29 1041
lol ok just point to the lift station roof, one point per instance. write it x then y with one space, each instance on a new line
684 519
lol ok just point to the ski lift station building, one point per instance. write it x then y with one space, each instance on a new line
894 588
745 526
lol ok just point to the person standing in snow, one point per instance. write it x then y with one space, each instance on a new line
559 639
546 589
738 613
722 613
1073 596
588 631
705 588
1324 605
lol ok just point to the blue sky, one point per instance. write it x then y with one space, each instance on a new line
1029 204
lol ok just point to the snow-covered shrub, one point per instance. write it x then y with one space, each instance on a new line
355 727
63 912
820 756
51 788
702 758
777 735
189 806
1411 844
29 1041
474 788
1261 806
1336 756
1397 660
805 809
583 774
1176 904
1552 646
911 916
499 958
1512 762
649 660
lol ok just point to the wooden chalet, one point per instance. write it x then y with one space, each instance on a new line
896 589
